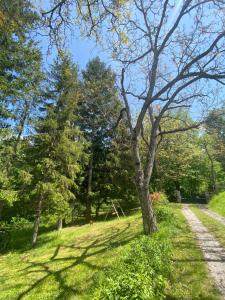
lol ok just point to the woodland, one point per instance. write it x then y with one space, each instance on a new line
96 162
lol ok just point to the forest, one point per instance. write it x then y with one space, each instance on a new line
112 175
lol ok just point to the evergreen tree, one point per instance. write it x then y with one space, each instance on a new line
20 65
20 77
58 146
98 114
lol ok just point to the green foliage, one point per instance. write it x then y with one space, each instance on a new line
8 196
19 223
20 73
57 148
183 161
159 198
162 207
142 273
164 213
217 203
98 112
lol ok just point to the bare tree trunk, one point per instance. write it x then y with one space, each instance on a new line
36 222
1 208
142 183
89 189
22 123
213 175
149 219
59 224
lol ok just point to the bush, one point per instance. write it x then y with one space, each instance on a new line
141 274
159 198
164 213
19 223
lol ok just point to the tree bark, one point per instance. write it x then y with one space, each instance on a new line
36 222
213 175
89 189
59 224
149 219
143 181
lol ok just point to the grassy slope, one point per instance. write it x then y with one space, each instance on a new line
64 265
218 203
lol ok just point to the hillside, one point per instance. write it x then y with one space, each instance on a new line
217 203
67 265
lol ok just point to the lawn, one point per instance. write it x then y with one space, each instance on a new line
66 265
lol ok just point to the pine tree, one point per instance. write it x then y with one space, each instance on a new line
20 77
58 145
98 114
20 65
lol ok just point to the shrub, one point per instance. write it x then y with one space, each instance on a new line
18 222
159 198
141 274
164 213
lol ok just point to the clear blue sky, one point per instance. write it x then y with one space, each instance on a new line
81 49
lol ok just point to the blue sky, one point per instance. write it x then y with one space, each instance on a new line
84 49
81 49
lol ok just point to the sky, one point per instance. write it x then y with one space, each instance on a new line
84 49
81 49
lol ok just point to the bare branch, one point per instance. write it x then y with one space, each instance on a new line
123 93
182 129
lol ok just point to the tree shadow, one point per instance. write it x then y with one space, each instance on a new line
20 239
102 243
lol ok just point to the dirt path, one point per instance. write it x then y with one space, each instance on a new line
212 214
213 253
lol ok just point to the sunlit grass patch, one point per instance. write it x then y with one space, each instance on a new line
217 203
67 265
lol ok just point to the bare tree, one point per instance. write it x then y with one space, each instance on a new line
88 15
171 55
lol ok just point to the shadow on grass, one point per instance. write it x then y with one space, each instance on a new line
189 261
20 239
102 243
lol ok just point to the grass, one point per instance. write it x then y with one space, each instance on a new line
217 203
65 265
190 278
216 228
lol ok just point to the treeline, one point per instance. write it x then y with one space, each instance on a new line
64 144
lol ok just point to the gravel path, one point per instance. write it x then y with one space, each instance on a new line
213 253
213 214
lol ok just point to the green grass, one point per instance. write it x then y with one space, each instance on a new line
190 278
65 265
216 228
217 203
